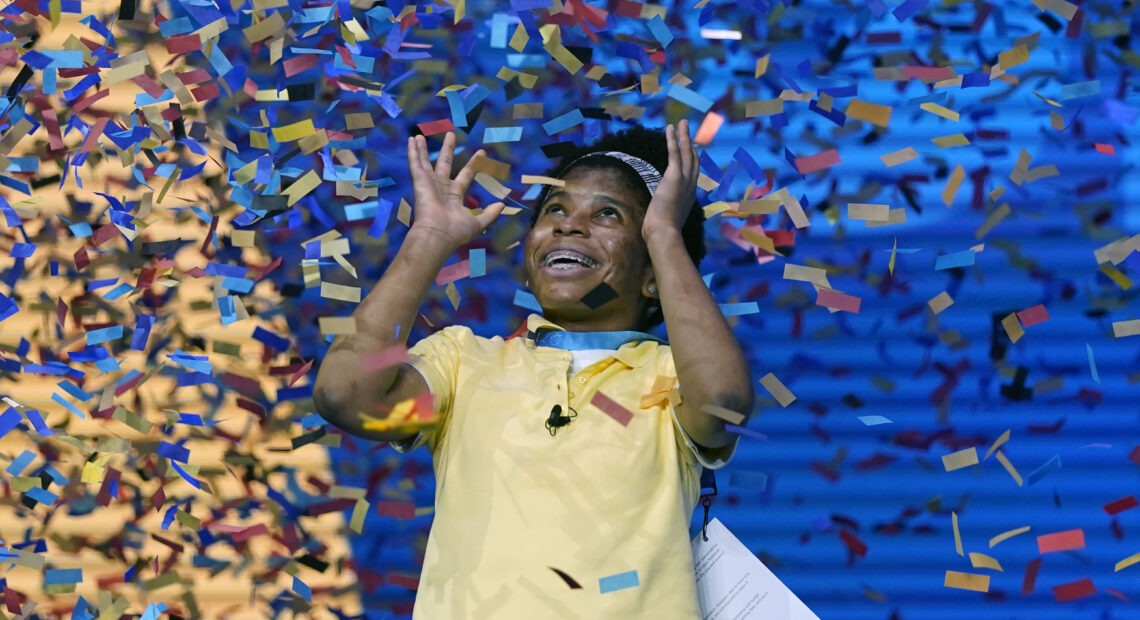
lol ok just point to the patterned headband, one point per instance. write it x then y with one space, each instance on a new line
644 169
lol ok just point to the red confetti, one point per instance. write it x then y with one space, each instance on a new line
93 137
384 358
1032 316
612 408
434 127
1030 580
854 545
1061 541
1074 590
840 301
819 161
246 533
1120 505
453 272
403 581
931 74
1135 455
11 600
399 510
1117 593
182 44
1105 149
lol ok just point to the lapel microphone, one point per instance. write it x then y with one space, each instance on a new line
557 420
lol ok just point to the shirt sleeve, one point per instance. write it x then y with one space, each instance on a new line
436 358
709 458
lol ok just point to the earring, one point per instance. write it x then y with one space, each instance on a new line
652 290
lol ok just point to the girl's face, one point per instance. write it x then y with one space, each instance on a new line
585 257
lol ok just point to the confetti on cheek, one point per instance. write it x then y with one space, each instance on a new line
600 295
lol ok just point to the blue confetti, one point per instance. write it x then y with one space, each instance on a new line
620 581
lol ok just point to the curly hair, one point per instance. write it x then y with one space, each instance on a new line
649 145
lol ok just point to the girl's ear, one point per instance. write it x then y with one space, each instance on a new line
649 286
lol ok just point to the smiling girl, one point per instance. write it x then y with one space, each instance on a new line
567 458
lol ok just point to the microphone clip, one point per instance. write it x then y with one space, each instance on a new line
557 420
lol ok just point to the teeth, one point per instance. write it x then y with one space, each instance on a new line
581 259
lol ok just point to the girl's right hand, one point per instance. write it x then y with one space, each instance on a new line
439 210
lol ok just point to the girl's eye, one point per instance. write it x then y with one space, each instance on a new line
552 208
608 211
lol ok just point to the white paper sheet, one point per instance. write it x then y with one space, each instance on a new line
733 584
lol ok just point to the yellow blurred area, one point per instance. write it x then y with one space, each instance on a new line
89 541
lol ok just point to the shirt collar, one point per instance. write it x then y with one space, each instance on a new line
635 351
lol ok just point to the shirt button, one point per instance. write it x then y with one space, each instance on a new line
582 380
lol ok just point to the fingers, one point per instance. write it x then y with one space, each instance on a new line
671 146
467 173
415 158
489 215
685 146
446 153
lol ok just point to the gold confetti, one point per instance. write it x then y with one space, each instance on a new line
778 390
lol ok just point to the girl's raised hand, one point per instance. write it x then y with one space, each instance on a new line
674 197
439 210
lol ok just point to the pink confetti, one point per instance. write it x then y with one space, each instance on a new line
432 128
817 162
385 358
840 301
612 408
1032 316
453 272
399 510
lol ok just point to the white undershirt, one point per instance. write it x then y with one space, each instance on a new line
586 357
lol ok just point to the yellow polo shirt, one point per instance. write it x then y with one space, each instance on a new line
596 500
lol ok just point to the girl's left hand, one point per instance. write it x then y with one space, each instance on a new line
674 197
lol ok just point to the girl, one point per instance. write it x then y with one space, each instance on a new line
567 458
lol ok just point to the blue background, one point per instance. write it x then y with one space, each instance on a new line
839 365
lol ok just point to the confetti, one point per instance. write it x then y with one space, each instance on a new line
837 300
1009 467
1074 590
967 581
777 389
960 459
619 581
727 415
1121 329
574 585
1061 541
817 162
1004 536
957 534
981 560
1126 562
612 408
940 302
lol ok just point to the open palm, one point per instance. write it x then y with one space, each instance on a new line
439 208
674 197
